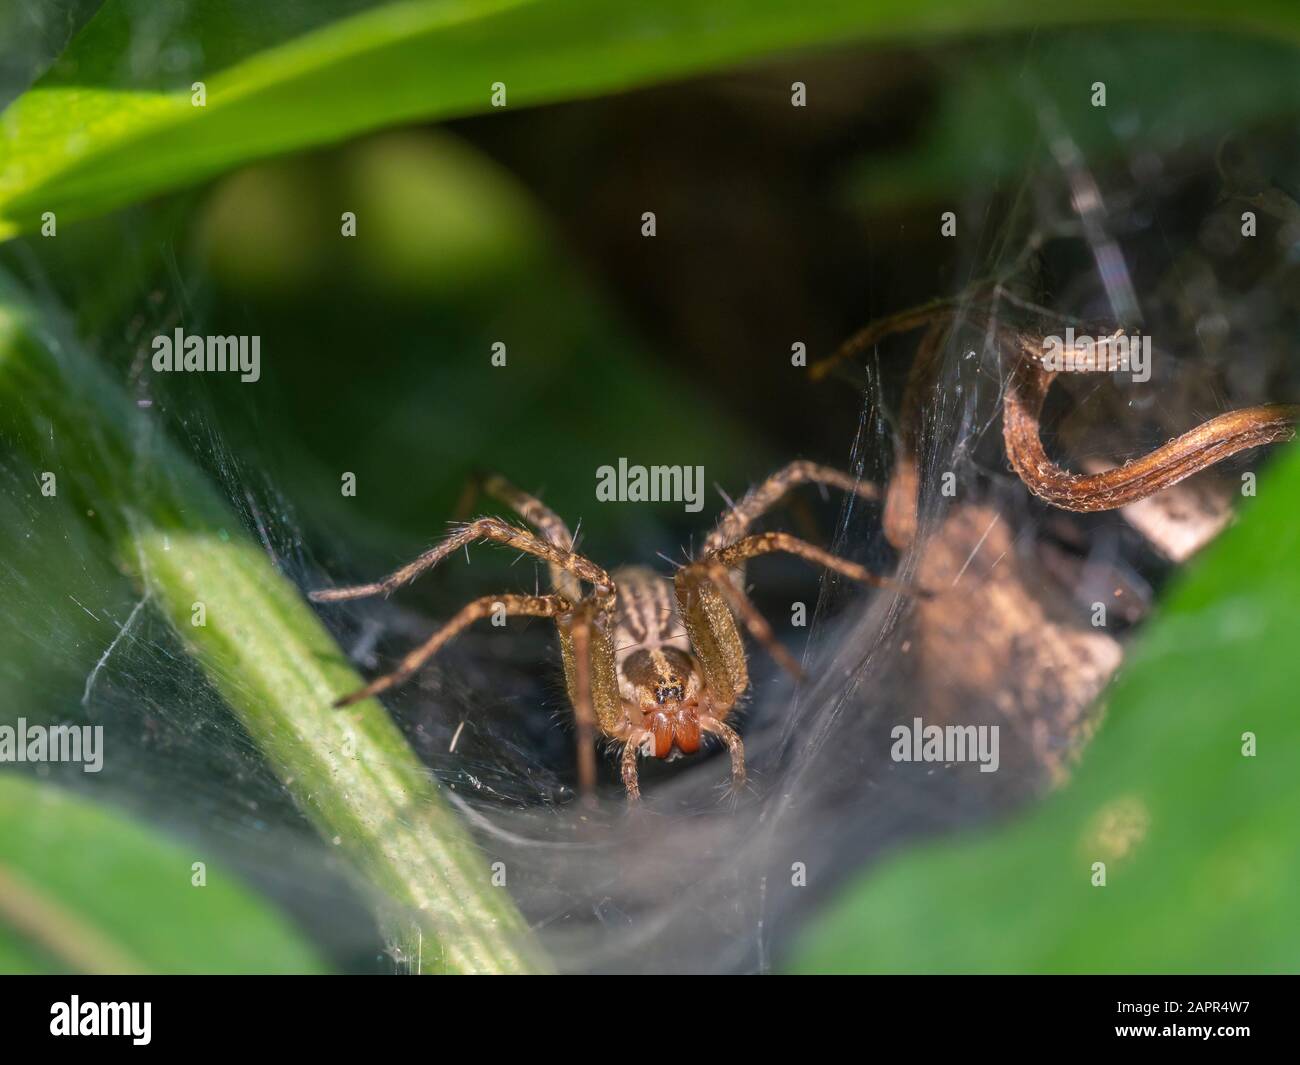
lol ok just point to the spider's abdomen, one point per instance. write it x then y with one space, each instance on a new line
646 615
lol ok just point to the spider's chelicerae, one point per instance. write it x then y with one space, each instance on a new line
653 668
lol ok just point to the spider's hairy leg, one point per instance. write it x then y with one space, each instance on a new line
539 606
631 750
735 748
719 578
552 527
717 566
591 680
762 498
772 542
712 631
900 322
497 531
580 637
899 518
580 634
531 509
938 318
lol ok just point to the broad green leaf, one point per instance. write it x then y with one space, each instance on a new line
1198 837
114 120
86 889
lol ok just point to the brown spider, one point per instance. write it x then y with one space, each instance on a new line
653 670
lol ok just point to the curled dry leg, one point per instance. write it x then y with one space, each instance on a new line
1210 442
652 663
1022 404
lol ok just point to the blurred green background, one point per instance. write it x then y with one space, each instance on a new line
775 225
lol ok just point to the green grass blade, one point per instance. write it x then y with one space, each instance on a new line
351 772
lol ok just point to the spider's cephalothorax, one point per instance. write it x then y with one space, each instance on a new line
651 662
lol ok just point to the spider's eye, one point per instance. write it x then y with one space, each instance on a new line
665 692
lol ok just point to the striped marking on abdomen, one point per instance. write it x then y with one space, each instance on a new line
647 612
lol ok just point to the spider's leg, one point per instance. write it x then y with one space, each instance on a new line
552 527
631 751
901 322
744 609
772 542
715 568
899 518
711 625
583 707
735 748
542 606
531 509
591 680
762 498
497 531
